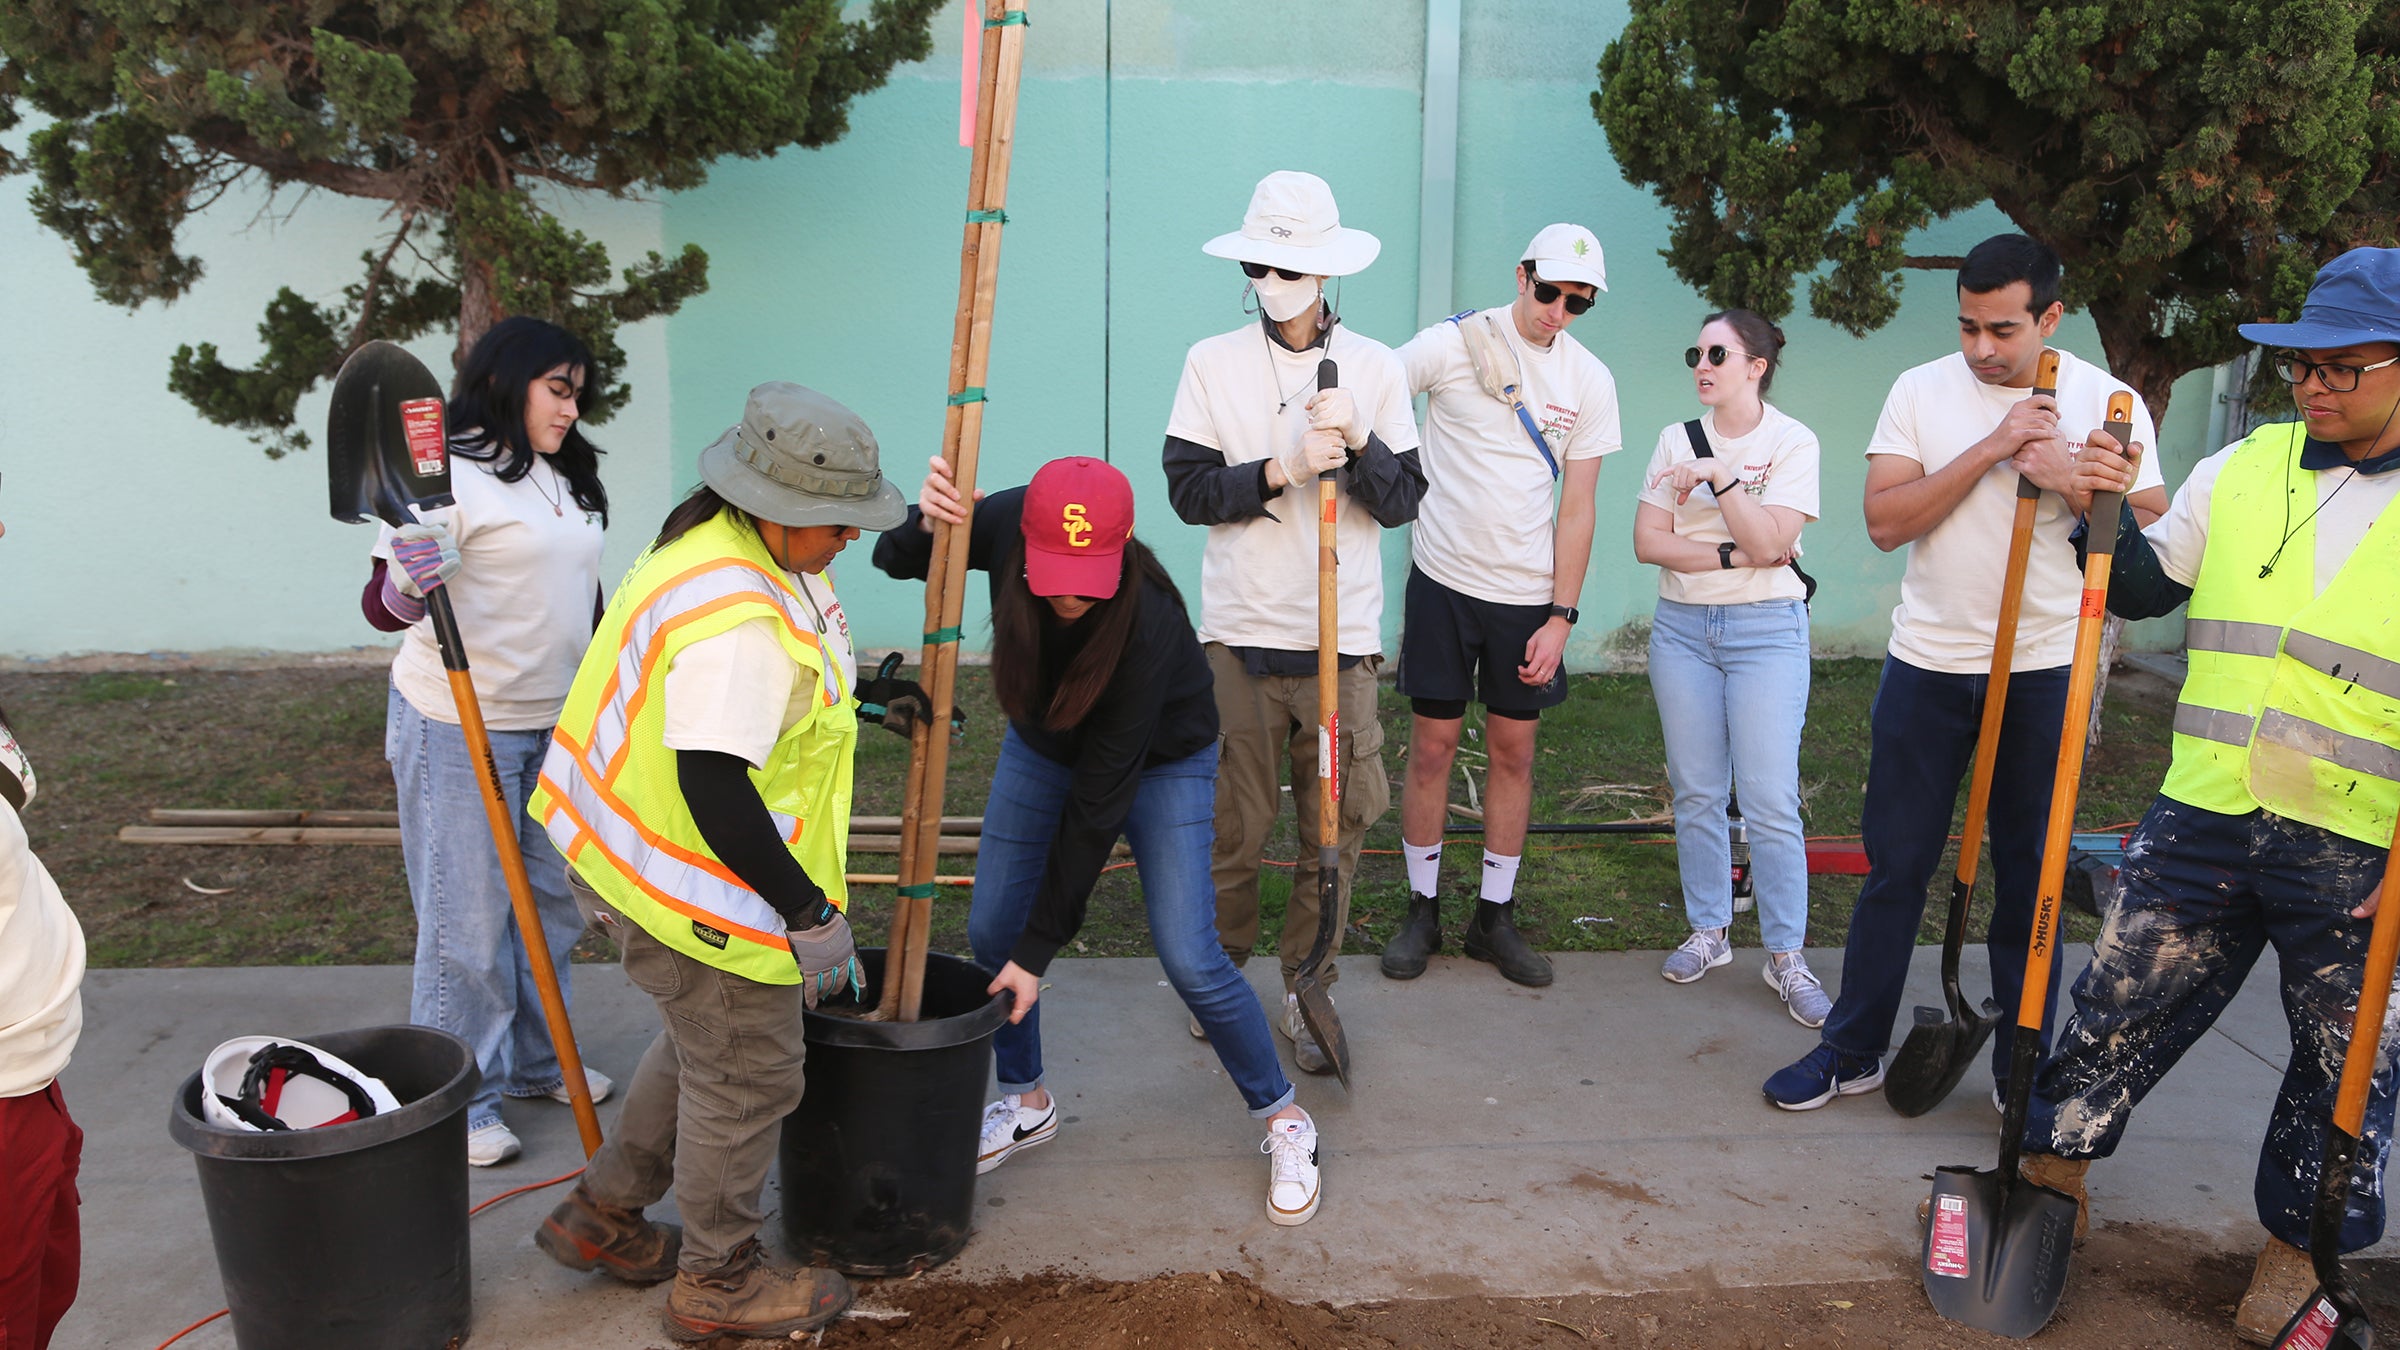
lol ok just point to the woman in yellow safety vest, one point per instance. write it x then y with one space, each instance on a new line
699 786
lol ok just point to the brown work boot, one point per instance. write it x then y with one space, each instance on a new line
1492 936
2282 1282
583 1234
2065 1176
747 1297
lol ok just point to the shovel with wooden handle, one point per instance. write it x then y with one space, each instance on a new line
387 454
1308 984
2332 1318
1996 1246
1942 1045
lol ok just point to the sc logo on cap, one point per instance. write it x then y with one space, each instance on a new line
1078 530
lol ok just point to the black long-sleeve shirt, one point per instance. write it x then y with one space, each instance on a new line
1159 707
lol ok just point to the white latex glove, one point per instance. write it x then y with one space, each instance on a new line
1318 451
1335 409
427 557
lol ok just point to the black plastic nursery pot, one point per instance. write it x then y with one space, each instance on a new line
351 1236
879 1159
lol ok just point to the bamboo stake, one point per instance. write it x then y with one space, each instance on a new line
962 440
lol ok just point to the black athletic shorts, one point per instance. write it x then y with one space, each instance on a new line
1455 647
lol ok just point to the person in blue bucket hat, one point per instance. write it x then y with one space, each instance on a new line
2273 823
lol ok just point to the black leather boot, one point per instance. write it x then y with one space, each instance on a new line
1420 936
1492 936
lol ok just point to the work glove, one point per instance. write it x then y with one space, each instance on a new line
898 705
828 959
427 555
1335 410
1320 450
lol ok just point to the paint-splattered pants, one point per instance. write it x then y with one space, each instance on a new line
2203 894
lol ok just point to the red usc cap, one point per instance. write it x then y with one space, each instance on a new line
1078 515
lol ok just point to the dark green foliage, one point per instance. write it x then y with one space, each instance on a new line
2193 161
468 117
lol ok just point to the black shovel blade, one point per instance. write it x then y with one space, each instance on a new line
1938 1052
385 447
1995 1256
2325 1323
1308 984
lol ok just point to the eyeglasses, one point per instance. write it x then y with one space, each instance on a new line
2292 368
1544 294
1258 272
1717 354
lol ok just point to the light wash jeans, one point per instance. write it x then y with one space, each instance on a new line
471 976
1171 827
1731 682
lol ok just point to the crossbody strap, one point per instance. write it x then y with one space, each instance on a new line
1701 449
1502 387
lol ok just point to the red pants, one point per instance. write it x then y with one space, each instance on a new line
41 1241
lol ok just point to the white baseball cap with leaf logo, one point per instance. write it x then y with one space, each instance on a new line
1567 253
1293 224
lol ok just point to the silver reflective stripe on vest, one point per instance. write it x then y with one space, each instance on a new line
2319 741
2232 637
2213 724
2346 663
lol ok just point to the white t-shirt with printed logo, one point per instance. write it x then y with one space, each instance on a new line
1776 463
1488 522
739 691
1950 592
528 581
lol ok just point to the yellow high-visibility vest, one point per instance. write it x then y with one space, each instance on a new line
608 794
2292 701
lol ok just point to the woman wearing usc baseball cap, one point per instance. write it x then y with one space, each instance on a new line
1112 730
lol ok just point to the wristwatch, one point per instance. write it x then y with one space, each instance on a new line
1567 612
1725 555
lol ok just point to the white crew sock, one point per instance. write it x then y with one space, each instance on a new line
1424 866
1499 877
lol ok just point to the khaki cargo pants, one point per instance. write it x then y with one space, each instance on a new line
1268 722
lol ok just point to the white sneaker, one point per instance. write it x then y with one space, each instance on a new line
1704 951
491 1144
1787 973
1307 1055
1291 1149
597 1080
1008 1125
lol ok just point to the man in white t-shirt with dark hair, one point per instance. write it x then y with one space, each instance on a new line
1518 417
1249 433
1942 474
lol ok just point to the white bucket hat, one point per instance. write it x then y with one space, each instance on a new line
1567 253
261 1083
1293 224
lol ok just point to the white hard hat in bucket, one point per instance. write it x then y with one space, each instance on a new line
262 1083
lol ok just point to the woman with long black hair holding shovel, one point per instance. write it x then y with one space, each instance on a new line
520 555
1112 730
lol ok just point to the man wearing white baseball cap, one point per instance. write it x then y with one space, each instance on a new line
1518 411
1250 422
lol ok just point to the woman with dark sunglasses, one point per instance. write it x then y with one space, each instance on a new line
1721 511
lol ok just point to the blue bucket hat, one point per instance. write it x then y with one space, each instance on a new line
2355 298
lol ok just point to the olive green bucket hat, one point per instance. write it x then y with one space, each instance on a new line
799 458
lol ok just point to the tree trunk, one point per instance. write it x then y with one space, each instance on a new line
478 306
2110 632
2135 358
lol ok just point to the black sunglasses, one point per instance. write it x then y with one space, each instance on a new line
2292 368
1544 293
1258 272
1718 354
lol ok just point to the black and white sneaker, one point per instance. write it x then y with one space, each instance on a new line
1008 1125
1291 1149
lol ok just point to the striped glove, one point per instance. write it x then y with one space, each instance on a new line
427 555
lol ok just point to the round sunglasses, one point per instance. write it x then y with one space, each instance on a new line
1258 272
1544 293
1717 353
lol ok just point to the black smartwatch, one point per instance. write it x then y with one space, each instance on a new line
1567 612
1725 555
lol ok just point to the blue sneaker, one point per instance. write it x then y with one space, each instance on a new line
1825 1074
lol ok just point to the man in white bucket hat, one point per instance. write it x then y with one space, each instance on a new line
1249 434
1518 411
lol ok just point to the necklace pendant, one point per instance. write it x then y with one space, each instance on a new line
558 509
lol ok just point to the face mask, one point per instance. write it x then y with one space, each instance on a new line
16 774
1282 299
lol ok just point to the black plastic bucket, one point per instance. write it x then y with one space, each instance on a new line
353 1236
879 1159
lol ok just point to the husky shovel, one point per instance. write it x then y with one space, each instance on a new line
387 454
1943 1044
2332 1318
1996 1246
1308 985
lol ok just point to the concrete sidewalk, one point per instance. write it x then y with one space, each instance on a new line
1604 1135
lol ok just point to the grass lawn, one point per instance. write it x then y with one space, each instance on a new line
108 747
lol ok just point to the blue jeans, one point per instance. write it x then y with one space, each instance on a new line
2203 894
472 979
1924 724
1171 826
1731 682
